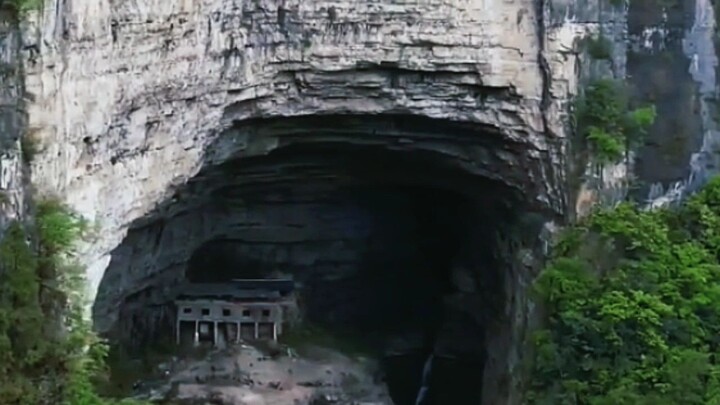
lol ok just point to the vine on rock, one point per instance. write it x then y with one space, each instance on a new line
633 299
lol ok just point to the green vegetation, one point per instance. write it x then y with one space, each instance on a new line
29 147
633 304
605 120
48 353
23 5
598 47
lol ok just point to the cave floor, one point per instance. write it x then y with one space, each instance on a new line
248 375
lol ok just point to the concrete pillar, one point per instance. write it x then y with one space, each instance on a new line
274 330
237 333
278 312
257 331
215 334
196 337
177 332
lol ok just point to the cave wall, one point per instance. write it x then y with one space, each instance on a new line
283 234
366 258
355 255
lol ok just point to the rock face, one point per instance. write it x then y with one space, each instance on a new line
192 128
12 121
130 100
129 95
672 62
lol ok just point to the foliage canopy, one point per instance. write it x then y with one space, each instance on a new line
604 118
22 5
598 47
48 353
633 299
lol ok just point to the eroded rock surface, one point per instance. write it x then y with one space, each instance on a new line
128 100
128 95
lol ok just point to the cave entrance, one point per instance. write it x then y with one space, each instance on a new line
353 251
397 250
377 263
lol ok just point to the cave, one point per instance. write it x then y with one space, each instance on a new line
393 240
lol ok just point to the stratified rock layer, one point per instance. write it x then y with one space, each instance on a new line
128 95
128 100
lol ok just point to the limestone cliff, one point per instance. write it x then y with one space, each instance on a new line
131 102
131 99
127 95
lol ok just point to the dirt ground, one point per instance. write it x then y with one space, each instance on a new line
247 375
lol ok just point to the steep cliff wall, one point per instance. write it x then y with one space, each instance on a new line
130 100
128 95
13 177
672 62
138 108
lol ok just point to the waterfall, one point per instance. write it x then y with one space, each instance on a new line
425 384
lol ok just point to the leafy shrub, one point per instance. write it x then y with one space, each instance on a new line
23 5
633 299
48 353
29 147
598 47
605 120
22 347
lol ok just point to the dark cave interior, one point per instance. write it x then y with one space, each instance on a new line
382 244
410 237
414 236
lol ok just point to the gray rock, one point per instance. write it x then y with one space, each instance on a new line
131 100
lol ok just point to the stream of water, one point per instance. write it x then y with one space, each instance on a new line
421 398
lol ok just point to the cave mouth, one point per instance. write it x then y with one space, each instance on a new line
397 248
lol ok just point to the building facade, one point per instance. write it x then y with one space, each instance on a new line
240 310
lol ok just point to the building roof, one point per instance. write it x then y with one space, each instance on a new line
282 286
237 290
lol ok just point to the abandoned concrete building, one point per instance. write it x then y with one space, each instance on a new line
222 313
